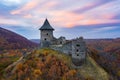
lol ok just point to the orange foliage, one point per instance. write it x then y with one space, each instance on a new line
43 67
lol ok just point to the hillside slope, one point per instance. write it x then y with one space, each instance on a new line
11 40
106 52
47 64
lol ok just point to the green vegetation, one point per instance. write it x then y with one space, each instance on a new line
5 62
47 64
93 71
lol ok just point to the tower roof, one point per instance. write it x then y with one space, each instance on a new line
46 26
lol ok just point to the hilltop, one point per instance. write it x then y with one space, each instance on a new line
47 64
11 40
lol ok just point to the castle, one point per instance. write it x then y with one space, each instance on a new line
76 48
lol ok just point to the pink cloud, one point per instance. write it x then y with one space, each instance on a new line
108 16
51 4
28 16
34 5
12 22
94 13
28 6
70 19
97 21
65 18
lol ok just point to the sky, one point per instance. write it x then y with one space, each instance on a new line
70 18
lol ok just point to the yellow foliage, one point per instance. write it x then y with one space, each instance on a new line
37 72
27 78
118 73
19 66
69 75
72 72
47 64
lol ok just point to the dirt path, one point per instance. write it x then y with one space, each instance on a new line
14 64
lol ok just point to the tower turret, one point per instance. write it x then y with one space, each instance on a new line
46 32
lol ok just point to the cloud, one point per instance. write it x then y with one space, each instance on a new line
104 29
98 21
12 22
117 16
65 19
36 10
28 6
28 16
92 5
34 5
13 2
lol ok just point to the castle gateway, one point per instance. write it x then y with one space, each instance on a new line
76 48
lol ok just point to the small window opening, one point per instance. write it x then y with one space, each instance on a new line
45 39
77 54
60 42
47 34
77 50
78 45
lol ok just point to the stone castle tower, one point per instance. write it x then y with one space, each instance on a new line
46 34
76 48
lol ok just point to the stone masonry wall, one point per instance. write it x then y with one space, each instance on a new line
75 48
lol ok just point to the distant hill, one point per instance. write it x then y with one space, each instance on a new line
104 45
11 40
35 40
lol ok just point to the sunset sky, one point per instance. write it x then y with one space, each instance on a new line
70 18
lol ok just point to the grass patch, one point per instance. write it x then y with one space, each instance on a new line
92 70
